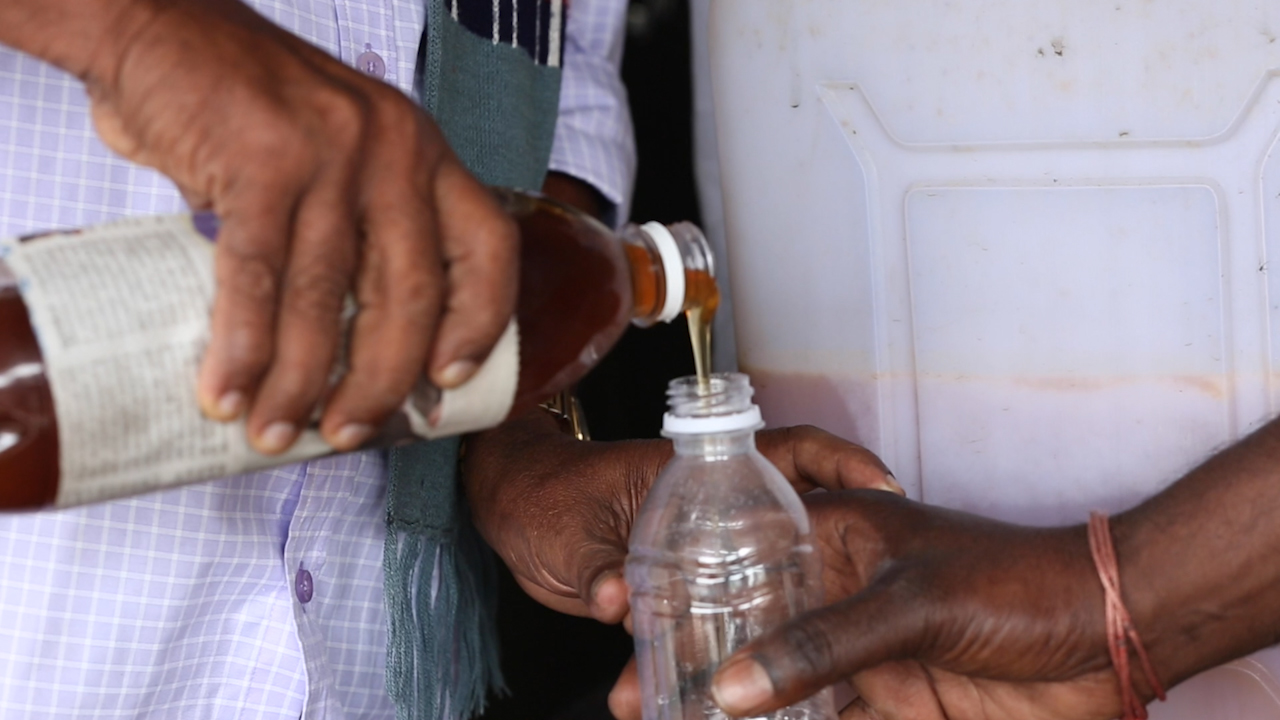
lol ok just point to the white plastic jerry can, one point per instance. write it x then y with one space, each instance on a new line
1020 248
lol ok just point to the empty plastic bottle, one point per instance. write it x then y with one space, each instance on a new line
721 553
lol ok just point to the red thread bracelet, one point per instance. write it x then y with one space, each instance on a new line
1120 630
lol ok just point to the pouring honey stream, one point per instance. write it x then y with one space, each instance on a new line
702 299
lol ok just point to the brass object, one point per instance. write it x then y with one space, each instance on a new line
567 410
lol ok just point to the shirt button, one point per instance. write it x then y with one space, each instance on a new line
303 586
370 63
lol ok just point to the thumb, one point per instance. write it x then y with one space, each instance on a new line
818 649
812 457
609 602
598 589
601 583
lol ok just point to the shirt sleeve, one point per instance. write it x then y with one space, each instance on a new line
594 139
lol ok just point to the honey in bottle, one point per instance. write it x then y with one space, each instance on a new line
101 332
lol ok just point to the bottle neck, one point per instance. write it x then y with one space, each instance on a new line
672 269
715 445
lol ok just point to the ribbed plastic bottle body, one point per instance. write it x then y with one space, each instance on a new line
577 293
721 553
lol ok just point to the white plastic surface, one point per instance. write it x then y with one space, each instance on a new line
672 270
708 424
1019 248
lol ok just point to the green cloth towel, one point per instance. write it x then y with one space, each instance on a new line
498 111
440 584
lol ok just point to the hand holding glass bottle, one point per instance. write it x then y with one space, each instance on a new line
97 395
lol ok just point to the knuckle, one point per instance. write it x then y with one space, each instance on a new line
296 383
316 292
276 135
346 117
250 277
393 113
417 293
490 243
500 233
811 649
248 353
483 322
791 436
381 390
401 114
808 435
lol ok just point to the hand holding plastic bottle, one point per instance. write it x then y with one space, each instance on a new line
937 614
559 511
940 615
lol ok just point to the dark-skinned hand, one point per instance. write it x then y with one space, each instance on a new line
942 615
328 184
559 511
938 614
932 615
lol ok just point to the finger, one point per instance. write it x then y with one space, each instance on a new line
624 699
561 603
602 595
623 473
111 128
817 649
600 581
859 710
399 288
480 244
609 598
249 261
900 690
809 456
318 279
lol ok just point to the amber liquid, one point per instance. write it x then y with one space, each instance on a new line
575 297
579 288
28 433
702 299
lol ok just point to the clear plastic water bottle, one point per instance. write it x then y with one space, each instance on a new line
721 553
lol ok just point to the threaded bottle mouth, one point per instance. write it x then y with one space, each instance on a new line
725 406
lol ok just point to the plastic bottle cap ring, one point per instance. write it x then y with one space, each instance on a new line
749 419
672 269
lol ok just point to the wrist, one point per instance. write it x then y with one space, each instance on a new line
1180 605
1124 643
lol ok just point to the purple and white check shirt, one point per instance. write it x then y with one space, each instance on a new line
250 597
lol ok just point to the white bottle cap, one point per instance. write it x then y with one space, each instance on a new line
672 269
748 419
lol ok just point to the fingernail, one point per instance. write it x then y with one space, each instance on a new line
456 373
351 436
606 606
230 405
741 686
277 437
891 484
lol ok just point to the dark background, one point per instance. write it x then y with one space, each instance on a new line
559 667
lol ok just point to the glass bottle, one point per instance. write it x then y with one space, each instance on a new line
721 552
97 393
